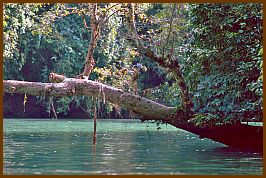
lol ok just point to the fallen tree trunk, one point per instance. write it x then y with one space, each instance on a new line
70 87
235 135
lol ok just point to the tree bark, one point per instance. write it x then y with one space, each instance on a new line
95 32
70 87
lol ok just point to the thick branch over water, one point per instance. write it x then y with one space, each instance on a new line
233 135
70 87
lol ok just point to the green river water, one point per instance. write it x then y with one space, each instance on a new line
56 147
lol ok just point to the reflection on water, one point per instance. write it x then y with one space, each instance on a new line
65 147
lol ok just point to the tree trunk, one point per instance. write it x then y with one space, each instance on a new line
70 87
236 135
95 32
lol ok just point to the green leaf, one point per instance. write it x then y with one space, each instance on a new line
4 23
260 51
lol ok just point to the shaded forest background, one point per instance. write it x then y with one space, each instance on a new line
219 48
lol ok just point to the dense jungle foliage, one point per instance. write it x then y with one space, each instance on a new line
219 48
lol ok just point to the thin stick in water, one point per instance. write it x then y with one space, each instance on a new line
95 121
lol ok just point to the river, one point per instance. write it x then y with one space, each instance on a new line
62 146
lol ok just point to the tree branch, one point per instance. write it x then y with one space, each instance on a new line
238 135
84 21
95 30
169 63
170 28
72 87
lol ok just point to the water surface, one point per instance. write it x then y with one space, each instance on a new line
58 147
